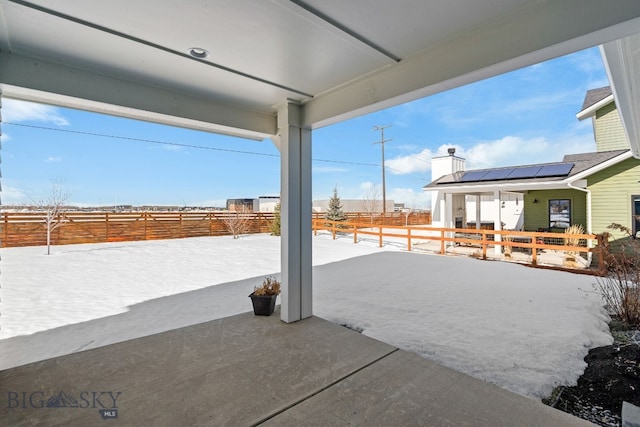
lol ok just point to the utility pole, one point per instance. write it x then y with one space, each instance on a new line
384 189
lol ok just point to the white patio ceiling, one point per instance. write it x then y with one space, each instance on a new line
338 58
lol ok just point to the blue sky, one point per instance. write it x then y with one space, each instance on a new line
526 116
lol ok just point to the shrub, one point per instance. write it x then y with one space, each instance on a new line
274 227
573 241
270 286
620 287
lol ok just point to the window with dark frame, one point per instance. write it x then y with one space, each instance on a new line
635 215
559 213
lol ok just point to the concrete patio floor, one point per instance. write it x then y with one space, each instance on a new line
250 370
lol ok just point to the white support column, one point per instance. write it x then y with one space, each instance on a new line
478 211
497 224
295 199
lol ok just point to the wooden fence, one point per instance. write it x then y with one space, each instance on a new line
389 218
27 229
569 250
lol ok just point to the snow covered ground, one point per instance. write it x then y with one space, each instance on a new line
523 329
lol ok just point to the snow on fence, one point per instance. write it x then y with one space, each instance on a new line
570 251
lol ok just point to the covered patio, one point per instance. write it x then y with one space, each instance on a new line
280 69
246 370
277 70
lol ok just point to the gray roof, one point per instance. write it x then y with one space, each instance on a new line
594 96
582 162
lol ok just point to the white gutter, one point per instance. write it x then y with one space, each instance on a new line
587 112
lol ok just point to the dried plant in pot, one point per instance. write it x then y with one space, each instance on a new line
264 297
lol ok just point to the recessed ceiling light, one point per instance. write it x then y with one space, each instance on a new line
198 52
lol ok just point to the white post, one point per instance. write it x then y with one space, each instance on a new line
497 224
478 211
294 142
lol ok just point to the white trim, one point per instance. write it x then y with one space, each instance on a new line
621 62
588 112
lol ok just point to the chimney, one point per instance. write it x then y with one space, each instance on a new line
446 165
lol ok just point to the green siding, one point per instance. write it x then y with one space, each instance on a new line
536 215
609 130
611 192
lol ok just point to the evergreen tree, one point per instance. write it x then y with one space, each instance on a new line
275 224
334 213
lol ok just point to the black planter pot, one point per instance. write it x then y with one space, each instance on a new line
263 305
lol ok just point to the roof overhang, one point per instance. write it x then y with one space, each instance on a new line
588 112
622 60
338 59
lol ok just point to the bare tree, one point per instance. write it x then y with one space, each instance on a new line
53 208
371 203
237 223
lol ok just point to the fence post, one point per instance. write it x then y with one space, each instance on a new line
603 243
534 250
484 244
106 226
355 234
409 239
380 234
442 242
333 230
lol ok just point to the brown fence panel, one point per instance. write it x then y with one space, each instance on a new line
27 229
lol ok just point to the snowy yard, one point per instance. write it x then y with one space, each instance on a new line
523 329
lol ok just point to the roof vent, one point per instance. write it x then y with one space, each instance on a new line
451 151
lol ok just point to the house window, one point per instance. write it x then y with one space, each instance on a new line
559 213
635 215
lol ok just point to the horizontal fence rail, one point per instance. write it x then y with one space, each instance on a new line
572 251
28 229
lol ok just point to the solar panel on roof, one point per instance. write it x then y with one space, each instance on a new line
496 174
472 176
524 172
560 169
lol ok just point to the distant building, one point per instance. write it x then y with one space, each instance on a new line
261 204
241 205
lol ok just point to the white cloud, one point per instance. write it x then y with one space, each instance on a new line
513 150
14 111
506 151
419 162
13 196
53 159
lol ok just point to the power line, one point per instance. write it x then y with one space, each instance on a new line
177 144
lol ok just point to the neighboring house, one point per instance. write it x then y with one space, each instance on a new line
261 204
591 189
